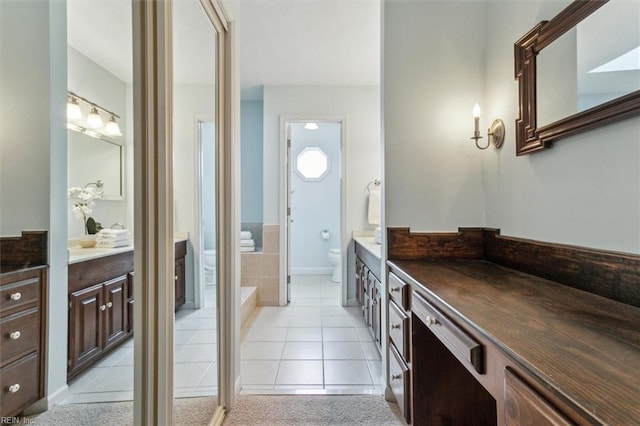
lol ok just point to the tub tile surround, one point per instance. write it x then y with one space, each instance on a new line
262 269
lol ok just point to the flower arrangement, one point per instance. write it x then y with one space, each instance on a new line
83 207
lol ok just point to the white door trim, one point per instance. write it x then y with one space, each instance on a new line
198 239
284 172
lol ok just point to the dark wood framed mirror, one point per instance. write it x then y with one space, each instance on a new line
576 111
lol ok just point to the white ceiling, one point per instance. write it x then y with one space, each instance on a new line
292 42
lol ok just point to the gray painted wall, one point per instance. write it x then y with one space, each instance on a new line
439 58
33 148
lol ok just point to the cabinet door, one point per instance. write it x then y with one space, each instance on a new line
85 326
359 281
524 406
179 282
116 313
377 320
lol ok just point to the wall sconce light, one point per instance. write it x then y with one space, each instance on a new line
73 108
112 128
93 119
311 126
495 133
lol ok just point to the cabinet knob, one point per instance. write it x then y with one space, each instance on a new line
14 388
109 304
16 296
429 321
176 278
394 289
395 326
103 307
396 376
15 335
364 308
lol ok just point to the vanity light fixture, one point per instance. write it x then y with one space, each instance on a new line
73 108
94 125
495 133
94 120
112 128
311 126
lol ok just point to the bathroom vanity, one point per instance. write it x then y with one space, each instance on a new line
368 284
101 302
23 302
501 330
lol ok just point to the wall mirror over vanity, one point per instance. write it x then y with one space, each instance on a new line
578 71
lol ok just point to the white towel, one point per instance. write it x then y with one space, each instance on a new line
247 249
114 232
245 235
114 240
375 201
113 244
247 243
377 235
112 237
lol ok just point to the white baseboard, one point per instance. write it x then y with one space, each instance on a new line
188 305
52 397
321 270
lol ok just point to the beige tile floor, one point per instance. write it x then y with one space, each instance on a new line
195 366
313 345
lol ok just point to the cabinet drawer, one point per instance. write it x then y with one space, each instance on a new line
19 334
523 405
399 329
19 294
463 346
399 382
398 290
20 385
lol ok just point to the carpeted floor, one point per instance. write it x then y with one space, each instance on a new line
187 412
250 410
304 410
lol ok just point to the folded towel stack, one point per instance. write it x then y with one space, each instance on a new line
112 238
246 242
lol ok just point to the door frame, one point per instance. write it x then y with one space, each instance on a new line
153 213
285 172
198 239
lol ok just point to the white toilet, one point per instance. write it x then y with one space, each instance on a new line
210 267
336 260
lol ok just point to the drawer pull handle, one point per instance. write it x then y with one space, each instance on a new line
103 307
393 326
109 304
429 321
14 388
394 289
396 376
15 335
16 296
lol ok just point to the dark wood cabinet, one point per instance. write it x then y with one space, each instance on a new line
23 328
180 275
101 304
116 312
86 325
491 342
369 291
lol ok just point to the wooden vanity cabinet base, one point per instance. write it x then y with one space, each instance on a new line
448 393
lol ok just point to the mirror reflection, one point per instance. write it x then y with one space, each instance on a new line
92 159
594 63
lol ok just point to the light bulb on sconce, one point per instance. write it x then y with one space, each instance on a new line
495 133
93 119
73 109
